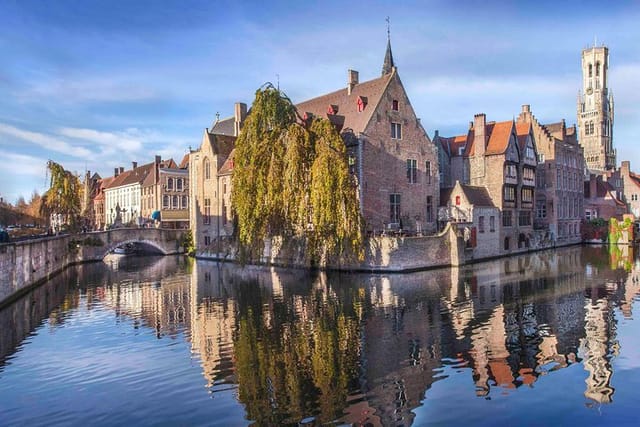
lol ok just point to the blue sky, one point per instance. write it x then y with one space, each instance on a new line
99 84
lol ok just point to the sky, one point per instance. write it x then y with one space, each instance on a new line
95 85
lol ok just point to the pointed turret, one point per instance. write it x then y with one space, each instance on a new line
388 64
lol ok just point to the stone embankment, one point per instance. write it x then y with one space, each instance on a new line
27 263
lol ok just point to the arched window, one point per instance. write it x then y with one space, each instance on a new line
165 202
207 168
174 205
590 70
597 69
591 127
179 184
185 202
169 183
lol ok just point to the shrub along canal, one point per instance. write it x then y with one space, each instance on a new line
548 338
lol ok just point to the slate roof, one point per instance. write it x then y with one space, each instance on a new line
224 127
348 115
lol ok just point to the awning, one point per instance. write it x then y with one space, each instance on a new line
155 215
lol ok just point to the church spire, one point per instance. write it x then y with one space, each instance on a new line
388 64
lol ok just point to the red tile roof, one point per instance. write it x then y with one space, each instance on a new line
497 134
522 131
348 115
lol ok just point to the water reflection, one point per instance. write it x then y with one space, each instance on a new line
363 349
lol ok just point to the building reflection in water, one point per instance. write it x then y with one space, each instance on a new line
357 348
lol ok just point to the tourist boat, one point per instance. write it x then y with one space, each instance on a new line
127 249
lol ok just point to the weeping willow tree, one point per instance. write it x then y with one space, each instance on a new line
291 179
63 197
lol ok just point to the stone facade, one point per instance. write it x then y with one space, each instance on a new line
595 111
559 202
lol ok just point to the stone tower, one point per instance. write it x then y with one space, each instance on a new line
595 110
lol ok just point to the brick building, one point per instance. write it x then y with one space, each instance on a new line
390 154
559 203
627 185
601 200
502 158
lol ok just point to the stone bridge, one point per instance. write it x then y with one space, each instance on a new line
27 263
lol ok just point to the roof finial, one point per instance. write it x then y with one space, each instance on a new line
217 116
388 29
388 64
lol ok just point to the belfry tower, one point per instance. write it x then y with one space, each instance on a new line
595 110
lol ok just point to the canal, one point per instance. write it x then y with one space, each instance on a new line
549 338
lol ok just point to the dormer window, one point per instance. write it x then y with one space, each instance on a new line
332 110
362 103
394 105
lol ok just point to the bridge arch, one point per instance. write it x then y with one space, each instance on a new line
110 247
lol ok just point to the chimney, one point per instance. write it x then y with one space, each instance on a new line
115 172
352 80
156 168
625 168
121 169
134 165
240 113
437 134
592 186
526 108
479 137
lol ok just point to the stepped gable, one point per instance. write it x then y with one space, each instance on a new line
347 115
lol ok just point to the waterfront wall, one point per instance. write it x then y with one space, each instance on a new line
27 263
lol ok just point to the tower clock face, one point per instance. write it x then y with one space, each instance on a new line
589 91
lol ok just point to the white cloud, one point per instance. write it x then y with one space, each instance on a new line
45 141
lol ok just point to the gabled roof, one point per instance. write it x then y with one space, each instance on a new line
477 196
635 178
604 190
227 166
497 135
224 127
184 163
452 145
348 115
522 132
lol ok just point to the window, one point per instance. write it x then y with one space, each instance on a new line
207 169
509 193
511 171
541 208
541 158
529 174
396 131
165 202
529 153
206 219
412 171
224 212
506 243
507 218
185 202
492 223
394 202
207 240
457 200
427 168
591 127
481 224
429 209
174 204
597 69
590 70
179 184
394 105
524 218
527 195
169 183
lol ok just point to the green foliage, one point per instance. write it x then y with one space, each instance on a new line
187 243
293 180
63 196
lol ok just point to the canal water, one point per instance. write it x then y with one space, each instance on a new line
550 338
